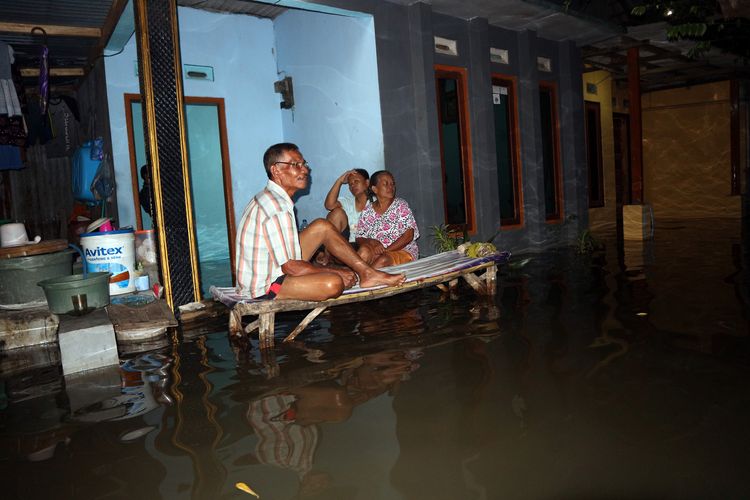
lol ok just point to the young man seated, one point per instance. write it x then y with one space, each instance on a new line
273 259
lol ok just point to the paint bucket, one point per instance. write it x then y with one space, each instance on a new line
112 252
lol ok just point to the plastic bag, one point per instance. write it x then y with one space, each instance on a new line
103 184
97 149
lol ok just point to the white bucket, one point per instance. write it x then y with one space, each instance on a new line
112 252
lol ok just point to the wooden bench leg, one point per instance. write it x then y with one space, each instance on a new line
485 284
490 275
235 322
251 327
268 359
265 329
473 282
303 324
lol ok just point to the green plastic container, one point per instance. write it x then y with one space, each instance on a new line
60 291
19 276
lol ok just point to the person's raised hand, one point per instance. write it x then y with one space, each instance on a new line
344 179
377 247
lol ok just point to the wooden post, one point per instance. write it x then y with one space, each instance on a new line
251 327
235 321
636 126
490 276
303 324
165 136
265 329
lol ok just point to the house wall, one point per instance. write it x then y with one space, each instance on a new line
406 59
523 50
241 51
336 118
604 218
332 136
686 152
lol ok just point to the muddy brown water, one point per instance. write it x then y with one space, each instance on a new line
617 375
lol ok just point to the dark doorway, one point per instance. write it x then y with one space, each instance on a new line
455 149
507 154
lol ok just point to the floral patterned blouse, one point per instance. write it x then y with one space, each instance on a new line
386 228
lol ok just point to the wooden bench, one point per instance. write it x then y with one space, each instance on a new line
436 270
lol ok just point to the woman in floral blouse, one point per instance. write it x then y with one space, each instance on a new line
387 232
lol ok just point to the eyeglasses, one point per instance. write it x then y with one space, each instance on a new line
295 164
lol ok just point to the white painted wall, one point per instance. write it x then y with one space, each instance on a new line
336 118
241 51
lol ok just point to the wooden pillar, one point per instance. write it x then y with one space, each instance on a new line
734 137
157 36
636 127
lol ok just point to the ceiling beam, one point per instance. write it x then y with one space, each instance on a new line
53 89
32 72
677 68
614 69
52 30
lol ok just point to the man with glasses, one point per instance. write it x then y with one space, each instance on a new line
273 260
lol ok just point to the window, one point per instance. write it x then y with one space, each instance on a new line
550 151
455 149
506 148
594 154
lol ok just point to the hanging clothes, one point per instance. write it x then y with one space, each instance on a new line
10 158
64 127
43 71
12 125
40 128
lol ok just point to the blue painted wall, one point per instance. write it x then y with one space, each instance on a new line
336 118
241 51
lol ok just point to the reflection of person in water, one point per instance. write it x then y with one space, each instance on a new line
287 431
378 373
286 424
281 440
385 318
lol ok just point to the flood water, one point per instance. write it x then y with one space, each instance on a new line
617 375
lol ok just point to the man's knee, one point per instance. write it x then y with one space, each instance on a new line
333 287
338 218
321 225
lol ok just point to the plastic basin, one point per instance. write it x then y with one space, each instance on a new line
60 291
20 275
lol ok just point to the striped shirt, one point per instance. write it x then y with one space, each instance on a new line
281 441
267 239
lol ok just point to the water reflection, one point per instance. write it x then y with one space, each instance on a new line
584 377
287 424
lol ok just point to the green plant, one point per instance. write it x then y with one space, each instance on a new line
586 243
704 23
444 239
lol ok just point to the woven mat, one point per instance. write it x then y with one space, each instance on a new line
428 267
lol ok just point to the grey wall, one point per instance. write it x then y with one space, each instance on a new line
404 37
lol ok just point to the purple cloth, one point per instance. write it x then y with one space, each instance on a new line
44 79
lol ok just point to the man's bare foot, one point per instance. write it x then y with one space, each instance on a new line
346 274
373 277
